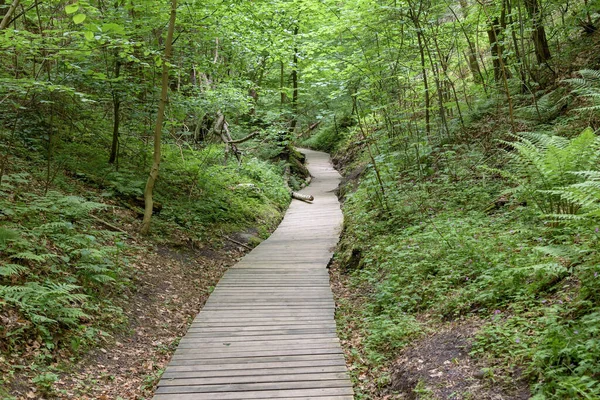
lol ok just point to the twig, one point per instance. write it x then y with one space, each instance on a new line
250 136
238 243
116 228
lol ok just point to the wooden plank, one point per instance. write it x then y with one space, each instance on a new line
260 343
254 372
264 337
273 378
189 354
252 360
249 387
250 366
295 394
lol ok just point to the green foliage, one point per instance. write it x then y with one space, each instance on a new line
444 247
543 164
328 137
47 304
223 195
588 86
56 266
44 381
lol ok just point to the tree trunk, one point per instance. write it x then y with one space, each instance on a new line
425 83
281 84
294 86
540 41
114 148
498 57
159 123
472 54
9 13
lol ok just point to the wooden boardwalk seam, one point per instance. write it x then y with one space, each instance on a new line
268 331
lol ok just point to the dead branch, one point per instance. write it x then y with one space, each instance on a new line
238 243
304 197
250 136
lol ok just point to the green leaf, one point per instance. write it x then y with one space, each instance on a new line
79 18
72 8
112 27
88 35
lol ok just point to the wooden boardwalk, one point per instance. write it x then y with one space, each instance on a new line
268 331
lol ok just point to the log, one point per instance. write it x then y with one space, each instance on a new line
304 197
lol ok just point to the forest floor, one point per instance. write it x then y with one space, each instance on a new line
171 284
436 366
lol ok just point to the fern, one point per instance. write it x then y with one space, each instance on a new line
12 270
587 86
584 195
7 235
46 304
547 107
52 227
544 165
30 256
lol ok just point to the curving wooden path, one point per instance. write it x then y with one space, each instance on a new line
268 331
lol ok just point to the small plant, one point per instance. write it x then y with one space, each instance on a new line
45 382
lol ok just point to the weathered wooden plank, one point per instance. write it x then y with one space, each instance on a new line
257 319
273 378
248 387
249 366
250 339
252 360
295 394
189 354
254 372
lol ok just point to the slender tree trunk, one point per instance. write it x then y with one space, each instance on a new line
282 83
472 54
520 67
425 83
114 148
159 123
294 121
11 10
495 30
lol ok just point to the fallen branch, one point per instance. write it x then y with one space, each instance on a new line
113 227
304 197
238 243
250 136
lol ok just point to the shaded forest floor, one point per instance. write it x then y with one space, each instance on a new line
437 366
170 285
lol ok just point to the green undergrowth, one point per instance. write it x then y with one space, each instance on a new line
510 236
65 273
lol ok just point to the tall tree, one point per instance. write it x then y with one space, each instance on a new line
148 192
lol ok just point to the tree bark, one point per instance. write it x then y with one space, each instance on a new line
159 123
425 83
9 13
294 121
540 41
114 148
498 57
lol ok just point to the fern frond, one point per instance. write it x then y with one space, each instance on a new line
13 270
30 256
